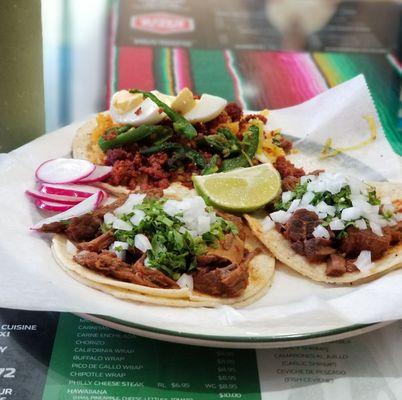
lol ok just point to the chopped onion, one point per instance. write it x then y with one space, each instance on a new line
109 218
363 261
398 217
293 205
322 206
306 178
360 224
142 243
122 246
133 200
267 224
287 196
351 213
336 224
280 216
138 216
307 198
321 232
186 281
376 228
204 224
121 225
388 208
71 248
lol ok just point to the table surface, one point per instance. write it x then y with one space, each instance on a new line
260 54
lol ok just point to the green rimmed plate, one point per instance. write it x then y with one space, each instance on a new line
245 341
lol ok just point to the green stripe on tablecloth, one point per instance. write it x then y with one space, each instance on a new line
381 79
210 73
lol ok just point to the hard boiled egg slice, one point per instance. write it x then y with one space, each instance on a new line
144 113
206 109
167 99
184 101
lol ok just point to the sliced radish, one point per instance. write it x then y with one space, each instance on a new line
52 206
72 190
86 206
54 197
101 172
64 170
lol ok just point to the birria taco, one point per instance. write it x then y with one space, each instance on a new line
152 140
174 252
333 228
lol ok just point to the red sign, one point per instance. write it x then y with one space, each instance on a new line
162 23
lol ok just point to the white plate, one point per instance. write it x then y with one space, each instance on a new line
239 342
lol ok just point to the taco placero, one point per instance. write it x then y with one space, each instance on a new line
173 252
333 228
152 140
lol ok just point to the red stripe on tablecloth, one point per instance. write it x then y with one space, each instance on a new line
136 68
287 78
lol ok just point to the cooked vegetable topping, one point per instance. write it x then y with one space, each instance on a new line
121 136
172 233
180 124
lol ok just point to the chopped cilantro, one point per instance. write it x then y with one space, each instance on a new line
372 197
174 249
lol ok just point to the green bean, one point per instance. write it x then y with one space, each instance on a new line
133 135
249 146
212 166
180 124
179 150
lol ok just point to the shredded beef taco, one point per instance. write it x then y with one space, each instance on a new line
333 228
152 140
164 251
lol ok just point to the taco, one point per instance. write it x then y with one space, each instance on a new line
334 228
152 140
164 251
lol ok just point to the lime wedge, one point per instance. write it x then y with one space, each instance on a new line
240 190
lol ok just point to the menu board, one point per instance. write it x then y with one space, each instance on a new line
260 25
50 356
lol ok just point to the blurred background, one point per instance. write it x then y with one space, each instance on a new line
64 58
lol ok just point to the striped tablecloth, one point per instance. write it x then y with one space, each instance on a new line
258 79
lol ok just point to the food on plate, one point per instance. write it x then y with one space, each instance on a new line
64 182
241 190
152 140
334 228
168 251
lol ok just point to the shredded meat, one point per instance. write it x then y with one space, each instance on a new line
299 231
83 228
113 155
289 183
336 265
285 144
394 232
234 111
286 168
364 239
350 265
301 225
54 227
318 249
107 263
289 173
228 281
151 276
98 244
